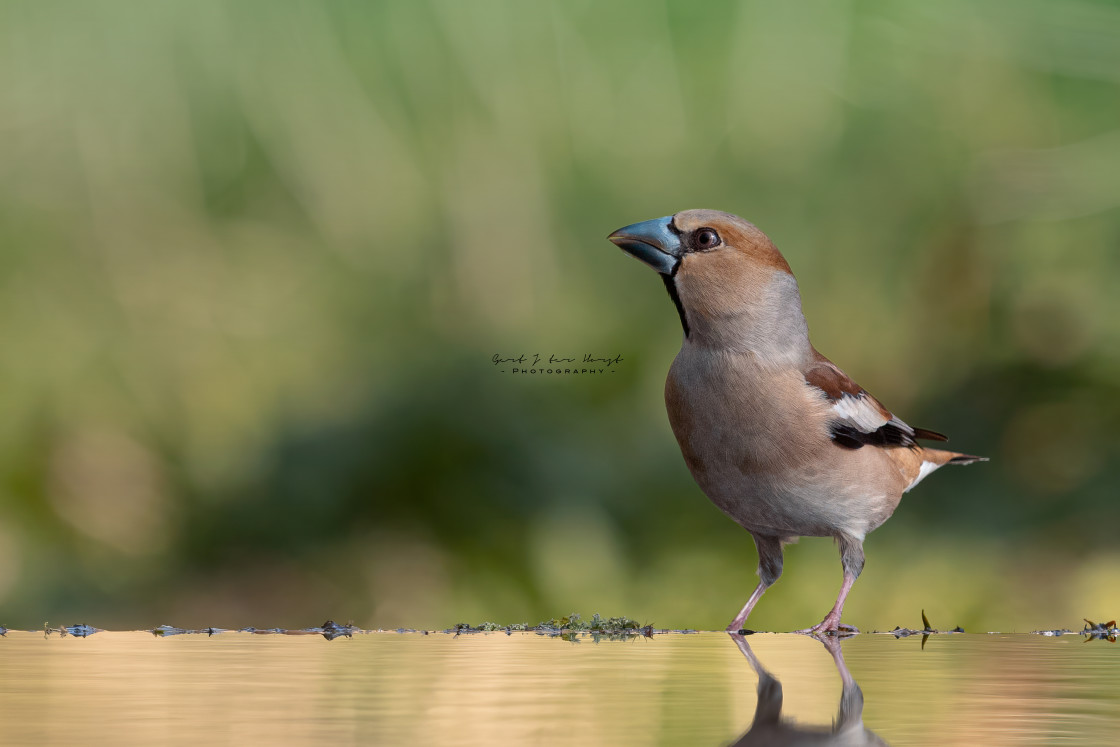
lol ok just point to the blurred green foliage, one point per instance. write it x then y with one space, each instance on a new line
257 257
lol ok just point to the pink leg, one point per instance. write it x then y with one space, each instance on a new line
737 624
831 621
769 571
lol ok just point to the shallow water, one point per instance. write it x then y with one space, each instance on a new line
390 688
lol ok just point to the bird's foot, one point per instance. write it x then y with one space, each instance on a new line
830 625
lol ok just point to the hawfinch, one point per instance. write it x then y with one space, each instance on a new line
775 434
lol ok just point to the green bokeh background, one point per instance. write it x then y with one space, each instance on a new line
257 256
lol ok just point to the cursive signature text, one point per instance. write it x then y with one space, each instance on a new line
554 363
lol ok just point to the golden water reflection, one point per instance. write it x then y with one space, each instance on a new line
770 728
389 689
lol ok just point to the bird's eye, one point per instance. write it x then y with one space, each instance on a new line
706 238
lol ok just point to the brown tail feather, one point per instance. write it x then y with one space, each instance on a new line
940 457
929 435
966 459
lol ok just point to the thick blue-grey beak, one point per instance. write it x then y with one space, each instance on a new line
653 242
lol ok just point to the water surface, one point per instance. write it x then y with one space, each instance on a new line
390 688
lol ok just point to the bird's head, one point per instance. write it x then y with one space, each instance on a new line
721 271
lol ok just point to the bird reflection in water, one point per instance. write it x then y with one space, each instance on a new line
768 727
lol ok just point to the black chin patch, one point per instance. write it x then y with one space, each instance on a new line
671 286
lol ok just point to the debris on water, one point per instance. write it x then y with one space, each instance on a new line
1089 624
170 630
276 631
618 624
571 627
575 623
611 628
925 632
331 630
1100 631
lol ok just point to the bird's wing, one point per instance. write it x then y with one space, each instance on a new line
858 418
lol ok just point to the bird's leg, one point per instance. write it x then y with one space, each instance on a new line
831 621
851 555
769 570
737 624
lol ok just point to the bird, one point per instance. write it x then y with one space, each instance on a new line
774 433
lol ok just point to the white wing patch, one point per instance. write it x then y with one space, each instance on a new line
860 413
924 470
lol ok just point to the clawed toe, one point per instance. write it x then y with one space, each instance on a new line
829 626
